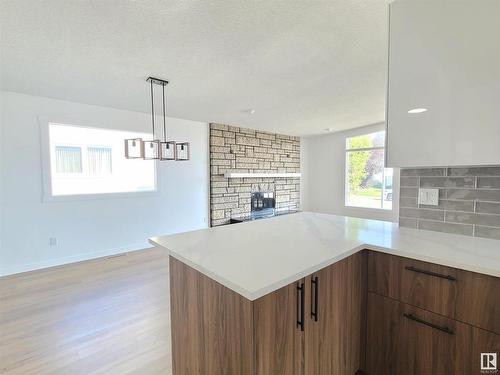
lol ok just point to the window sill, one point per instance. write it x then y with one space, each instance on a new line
369 208
98 196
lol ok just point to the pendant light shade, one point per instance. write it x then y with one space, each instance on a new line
167 150
155 149
182 151
151 150
134 148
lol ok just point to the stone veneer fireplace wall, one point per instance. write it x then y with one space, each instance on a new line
235 149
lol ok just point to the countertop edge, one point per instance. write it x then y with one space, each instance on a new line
252 296
228 284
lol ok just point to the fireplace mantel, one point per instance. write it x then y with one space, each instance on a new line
261 175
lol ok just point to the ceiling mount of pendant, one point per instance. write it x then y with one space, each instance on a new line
157 81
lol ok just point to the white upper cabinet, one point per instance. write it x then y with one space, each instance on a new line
444 55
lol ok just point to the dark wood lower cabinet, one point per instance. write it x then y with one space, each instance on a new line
328 324
403 339
215 331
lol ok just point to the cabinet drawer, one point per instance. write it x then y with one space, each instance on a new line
466 296
425 285
478 300
403 339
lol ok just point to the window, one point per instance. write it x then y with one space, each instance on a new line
68 160
85 161
99 160
368 183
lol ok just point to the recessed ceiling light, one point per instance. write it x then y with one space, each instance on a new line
329 130
251 111
417 110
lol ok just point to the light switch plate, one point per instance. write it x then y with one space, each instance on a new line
428 197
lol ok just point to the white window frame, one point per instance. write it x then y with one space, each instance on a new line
48 197
346 166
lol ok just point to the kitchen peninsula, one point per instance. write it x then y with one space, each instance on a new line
312 293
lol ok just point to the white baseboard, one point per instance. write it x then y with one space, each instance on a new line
12 270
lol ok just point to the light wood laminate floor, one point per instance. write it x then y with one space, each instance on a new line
105 316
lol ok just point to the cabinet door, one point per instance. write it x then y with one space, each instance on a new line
335 328
211 325
403 339
278 333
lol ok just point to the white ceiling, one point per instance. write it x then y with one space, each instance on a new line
303 65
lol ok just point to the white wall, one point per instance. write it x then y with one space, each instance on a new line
2 179
324 185
304 180
89 228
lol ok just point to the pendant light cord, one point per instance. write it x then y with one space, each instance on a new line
152 109
164 116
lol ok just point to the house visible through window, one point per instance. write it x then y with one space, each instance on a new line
68 160
99 160
368 183
86 160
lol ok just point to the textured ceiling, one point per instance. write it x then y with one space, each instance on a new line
302 65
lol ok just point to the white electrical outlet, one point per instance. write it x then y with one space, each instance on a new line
429 197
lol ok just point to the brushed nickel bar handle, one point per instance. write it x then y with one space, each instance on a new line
300 306
432 325
430 273
314 304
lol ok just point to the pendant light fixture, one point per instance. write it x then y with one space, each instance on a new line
155 149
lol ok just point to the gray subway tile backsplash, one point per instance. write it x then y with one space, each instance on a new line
451 205
408 202
474 171
449 182
408 181
488 208
474 194
472 218
488 182
469 200
408 192
437 226
419 213
408 223
487 232
423 172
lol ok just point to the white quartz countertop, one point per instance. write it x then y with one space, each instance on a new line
258 257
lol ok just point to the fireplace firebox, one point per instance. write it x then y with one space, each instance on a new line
262 204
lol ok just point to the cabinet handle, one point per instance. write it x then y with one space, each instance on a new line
432 325
314 298
300 306
430 273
